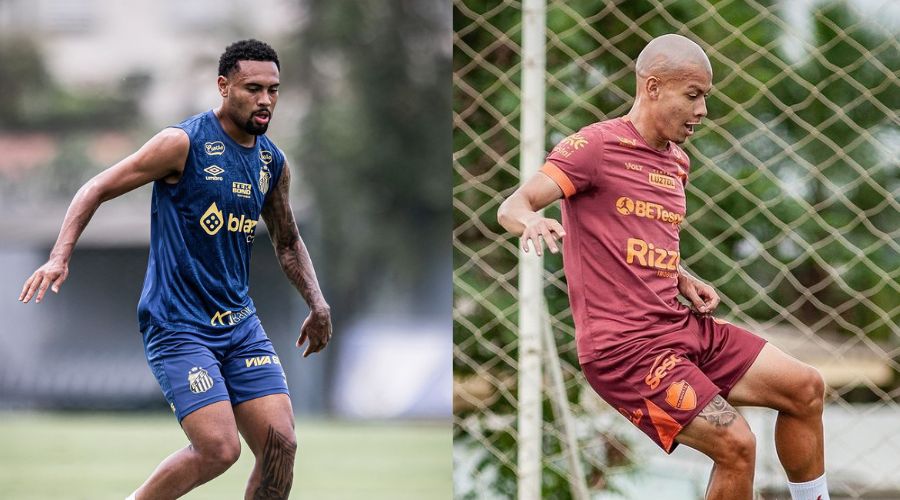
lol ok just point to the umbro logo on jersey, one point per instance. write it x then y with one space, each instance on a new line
214 148
215 172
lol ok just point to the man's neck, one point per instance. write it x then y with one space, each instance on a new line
239 135
642 121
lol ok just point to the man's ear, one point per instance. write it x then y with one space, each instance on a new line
222 82
651 86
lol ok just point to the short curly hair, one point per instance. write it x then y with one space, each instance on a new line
246 50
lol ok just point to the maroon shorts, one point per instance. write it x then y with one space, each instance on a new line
661 384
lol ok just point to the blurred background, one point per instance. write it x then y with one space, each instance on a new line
364 119
793 214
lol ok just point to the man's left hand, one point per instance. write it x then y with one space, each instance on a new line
316 329
703 297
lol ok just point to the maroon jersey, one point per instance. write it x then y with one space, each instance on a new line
624 204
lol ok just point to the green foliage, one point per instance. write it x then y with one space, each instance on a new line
375 140
31 100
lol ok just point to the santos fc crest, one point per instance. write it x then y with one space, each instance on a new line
264 177
199 380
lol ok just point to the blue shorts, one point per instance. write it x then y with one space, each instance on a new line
197 369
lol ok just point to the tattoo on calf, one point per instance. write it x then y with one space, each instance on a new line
719 413
277 467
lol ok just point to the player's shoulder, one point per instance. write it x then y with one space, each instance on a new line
269 152
193 123
680 157
600 131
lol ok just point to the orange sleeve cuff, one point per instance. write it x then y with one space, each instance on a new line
560 178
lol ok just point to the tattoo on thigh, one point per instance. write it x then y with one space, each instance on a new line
277 467
719 413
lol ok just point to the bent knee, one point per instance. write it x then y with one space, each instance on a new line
220 454
809 400
735 447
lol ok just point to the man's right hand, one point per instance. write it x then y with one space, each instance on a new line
53 273
539 228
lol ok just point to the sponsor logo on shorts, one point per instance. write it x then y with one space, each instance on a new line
627 142
570 144
648 209
634 417
214 148
681 396
642 253
199 380
265 156
172 406
661 367
215 172
662 180
242 189
228 318
261 360
264 177
633 166
213 220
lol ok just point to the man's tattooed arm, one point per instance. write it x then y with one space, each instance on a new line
296 264
289 247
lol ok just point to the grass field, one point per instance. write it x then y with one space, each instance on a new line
89 456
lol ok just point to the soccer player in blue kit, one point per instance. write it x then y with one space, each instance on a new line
213 175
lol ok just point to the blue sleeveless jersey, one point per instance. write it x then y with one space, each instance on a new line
202 231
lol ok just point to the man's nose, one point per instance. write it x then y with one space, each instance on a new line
700 109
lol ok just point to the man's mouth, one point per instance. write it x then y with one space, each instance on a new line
689 127
261 117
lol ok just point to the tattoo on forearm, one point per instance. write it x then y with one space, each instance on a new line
719 413
289 247
277 467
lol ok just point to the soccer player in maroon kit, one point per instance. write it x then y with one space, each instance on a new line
674 371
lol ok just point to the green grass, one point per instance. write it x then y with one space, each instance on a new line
49 456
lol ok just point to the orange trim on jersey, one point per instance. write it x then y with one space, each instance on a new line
666 426
560 178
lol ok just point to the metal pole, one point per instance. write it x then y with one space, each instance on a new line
577 480
531 290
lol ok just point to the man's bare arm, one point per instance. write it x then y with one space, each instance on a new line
162 157
519 215
296 264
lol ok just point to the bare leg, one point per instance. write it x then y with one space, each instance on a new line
267 424
796 390
214 448
723 435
